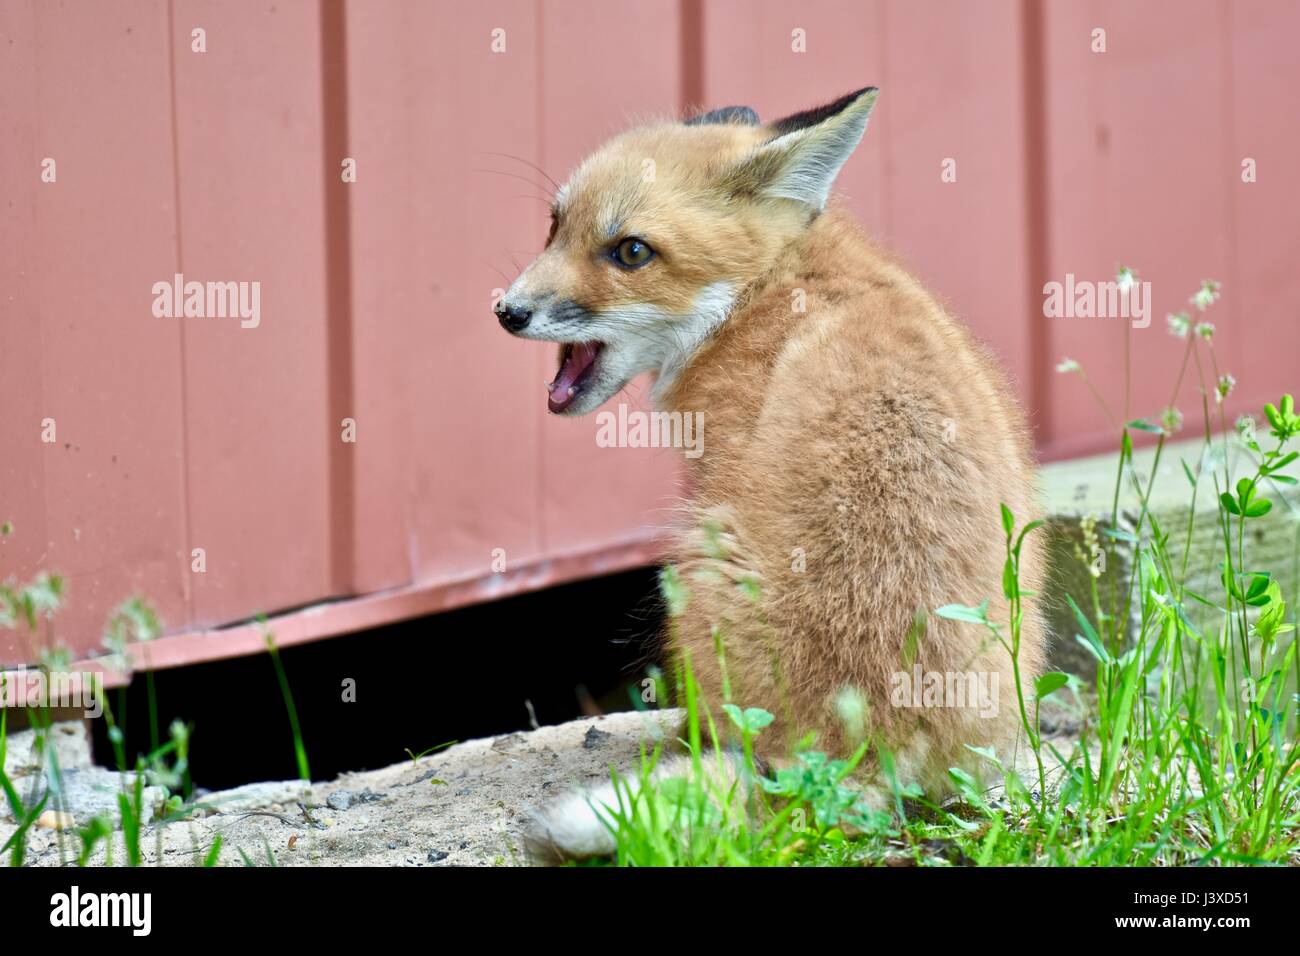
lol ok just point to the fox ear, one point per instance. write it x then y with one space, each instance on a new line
737 115
806 151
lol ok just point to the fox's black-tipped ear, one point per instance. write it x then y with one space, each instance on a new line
806 151
736 115
819 114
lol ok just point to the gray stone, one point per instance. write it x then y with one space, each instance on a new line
346 799
258 796
67 739
87 792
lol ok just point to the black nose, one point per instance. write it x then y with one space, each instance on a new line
512 317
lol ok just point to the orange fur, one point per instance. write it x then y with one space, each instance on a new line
872 432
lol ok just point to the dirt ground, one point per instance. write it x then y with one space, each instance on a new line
464 806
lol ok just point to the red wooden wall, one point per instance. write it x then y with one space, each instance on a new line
175 434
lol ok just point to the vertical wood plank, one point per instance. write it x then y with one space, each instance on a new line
474 213
1265 73
1135 178
92 83
388 300
249 134
22 456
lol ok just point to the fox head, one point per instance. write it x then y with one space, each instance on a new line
658 231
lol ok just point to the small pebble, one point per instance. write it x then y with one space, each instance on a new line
340 800
55 820
436 856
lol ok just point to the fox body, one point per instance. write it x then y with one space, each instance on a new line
860 442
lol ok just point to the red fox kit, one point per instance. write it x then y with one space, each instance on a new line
859 442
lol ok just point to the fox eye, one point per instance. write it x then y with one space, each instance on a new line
632 253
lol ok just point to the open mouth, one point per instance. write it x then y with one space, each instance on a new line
577 361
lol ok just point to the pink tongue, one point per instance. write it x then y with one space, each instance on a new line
576 362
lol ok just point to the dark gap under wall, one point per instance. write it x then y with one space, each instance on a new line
453 676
